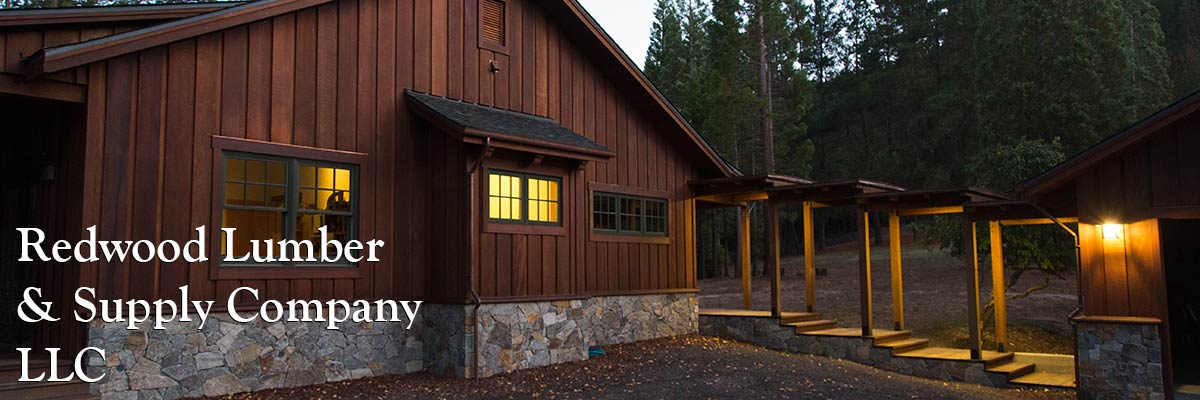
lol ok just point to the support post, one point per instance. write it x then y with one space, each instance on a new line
974 342
773 267
810 252
864 271
897 271
998 294
744 254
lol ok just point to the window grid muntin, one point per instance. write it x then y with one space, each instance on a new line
524 200
644 219
291 209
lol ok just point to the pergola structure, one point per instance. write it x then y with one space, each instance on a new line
976 206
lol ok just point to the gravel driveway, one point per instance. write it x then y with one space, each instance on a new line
689 367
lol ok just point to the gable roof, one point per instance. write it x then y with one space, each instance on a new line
56 59
1072 168
100 14
471 119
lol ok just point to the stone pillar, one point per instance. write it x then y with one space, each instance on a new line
1119 358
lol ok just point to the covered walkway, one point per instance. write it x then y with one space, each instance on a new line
807 331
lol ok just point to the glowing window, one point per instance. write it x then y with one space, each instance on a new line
518 198
279 198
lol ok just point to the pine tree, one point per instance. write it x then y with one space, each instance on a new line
1178 19
666 56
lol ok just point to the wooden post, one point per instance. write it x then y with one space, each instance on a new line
744 253
974 342
998 287
810 252
773 267
897 271
864 271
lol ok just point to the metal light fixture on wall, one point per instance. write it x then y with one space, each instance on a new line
1112 231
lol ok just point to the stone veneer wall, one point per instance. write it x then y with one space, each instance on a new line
768 333
228 357
1119 360
515 336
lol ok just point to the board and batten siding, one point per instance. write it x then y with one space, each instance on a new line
332 77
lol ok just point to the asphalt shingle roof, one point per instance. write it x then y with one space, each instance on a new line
491 119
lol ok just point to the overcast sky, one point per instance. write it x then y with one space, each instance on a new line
627 21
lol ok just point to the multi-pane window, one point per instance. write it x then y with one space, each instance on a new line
520 198
280 198
625 214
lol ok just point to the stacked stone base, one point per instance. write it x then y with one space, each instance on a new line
768 333
1120 360
226 357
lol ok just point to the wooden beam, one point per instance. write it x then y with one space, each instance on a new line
810 253
43 89
773 267
1037 221
757 196
897 271
998 287
864 271
744 254
931 211
974 342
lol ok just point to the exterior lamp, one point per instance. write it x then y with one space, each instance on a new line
1112 231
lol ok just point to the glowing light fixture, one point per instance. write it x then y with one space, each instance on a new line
1112 231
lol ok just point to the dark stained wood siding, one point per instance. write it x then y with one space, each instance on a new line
332 77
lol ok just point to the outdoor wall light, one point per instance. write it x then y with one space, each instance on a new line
1112 231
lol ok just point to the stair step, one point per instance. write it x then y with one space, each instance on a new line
807 326
904 345
45 390
1013 369
884 336
789 318
1046 379
989 358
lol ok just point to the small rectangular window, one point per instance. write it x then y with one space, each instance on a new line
625 214
524 199
279 198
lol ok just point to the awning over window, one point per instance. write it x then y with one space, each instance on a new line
506 129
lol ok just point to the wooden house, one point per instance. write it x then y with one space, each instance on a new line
1137 197
530 184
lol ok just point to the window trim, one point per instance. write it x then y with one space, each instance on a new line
485 44
309 155
599 235
523 227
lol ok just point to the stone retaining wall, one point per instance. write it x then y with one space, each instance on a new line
227 357
768 333
1119 361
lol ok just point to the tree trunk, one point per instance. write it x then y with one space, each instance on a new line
764 93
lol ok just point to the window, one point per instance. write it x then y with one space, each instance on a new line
492 24
279 198
524 199
626 214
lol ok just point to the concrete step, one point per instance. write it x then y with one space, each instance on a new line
789 318
1012 369
802 327
904 345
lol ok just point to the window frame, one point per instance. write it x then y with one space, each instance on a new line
485 44
619 235
524 226
524 198
358 163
